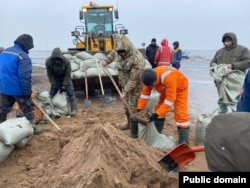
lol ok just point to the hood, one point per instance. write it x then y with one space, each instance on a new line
164 42
123 43
232 36
25 41
57 53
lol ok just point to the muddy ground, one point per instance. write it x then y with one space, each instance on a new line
91 152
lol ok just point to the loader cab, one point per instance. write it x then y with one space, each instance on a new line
97 20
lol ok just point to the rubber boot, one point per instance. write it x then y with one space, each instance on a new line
183 136
73 107
159 124
36 130
133 129
128 124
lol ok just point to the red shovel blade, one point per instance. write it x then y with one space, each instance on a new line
178 157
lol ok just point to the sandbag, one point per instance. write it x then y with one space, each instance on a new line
5 151
23 142
60 102
77 74
202 121
14 130
153 138
84 55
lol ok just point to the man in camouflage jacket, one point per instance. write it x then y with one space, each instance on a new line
129 64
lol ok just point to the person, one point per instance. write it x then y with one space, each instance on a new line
227 142
1 49
151 51
234 56
172 86
15 79
38 115
59 73
163 56
177 55
129 64
243 104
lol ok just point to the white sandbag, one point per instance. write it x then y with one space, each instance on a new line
5 151
92 72
99 56
23 142
200 130
147 64
74 66
153 138
14 130
91 63
44 98
68 56
112 65
78 74
153 100
60 102
84 55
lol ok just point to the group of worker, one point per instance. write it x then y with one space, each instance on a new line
136 82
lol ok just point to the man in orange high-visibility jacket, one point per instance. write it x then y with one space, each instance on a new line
172 86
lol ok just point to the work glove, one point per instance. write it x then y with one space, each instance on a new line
62 90
153 117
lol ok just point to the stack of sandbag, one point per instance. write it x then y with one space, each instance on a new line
14 133
82 59
149 133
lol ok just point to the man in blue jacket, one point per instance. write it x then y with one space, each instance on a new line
15 79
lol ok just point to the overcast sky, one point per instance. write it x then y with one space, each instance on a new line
196 24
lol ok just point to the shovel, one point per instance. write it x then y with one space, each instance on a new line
87 102
104 98
124 102
178 157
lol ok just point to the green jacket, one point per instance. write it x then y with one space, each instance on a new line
58 73
130 67
237 55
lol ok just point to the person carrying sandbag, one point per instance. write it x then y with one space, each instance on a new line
59 74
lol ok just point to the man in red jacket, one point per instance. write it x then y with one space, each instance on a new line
172 86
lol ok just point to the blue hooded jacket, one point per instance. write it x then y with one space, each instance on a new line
16 68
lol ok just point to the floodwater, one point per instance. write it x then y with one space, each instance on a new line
202 91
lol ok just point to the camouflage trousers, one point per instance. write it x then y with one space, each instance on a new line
132 99
25 103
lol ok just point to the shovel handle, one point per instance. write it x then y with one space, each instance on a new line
117 89
197 148
86 80
99 74
46 115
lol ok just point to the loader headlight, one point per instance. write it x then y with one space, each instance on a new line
75 33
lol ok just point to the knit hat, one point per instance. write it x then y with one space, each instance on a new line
25 41
148 77
176 43
153 40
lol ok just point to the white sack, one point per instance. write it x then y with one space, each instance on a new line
23 142
60 102
5 151
84 55
153 138
14 130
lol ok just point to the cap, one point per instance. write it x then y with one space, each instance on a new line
148 77
153 40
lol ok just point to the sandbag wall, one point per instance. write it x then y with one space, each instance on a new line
85 64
